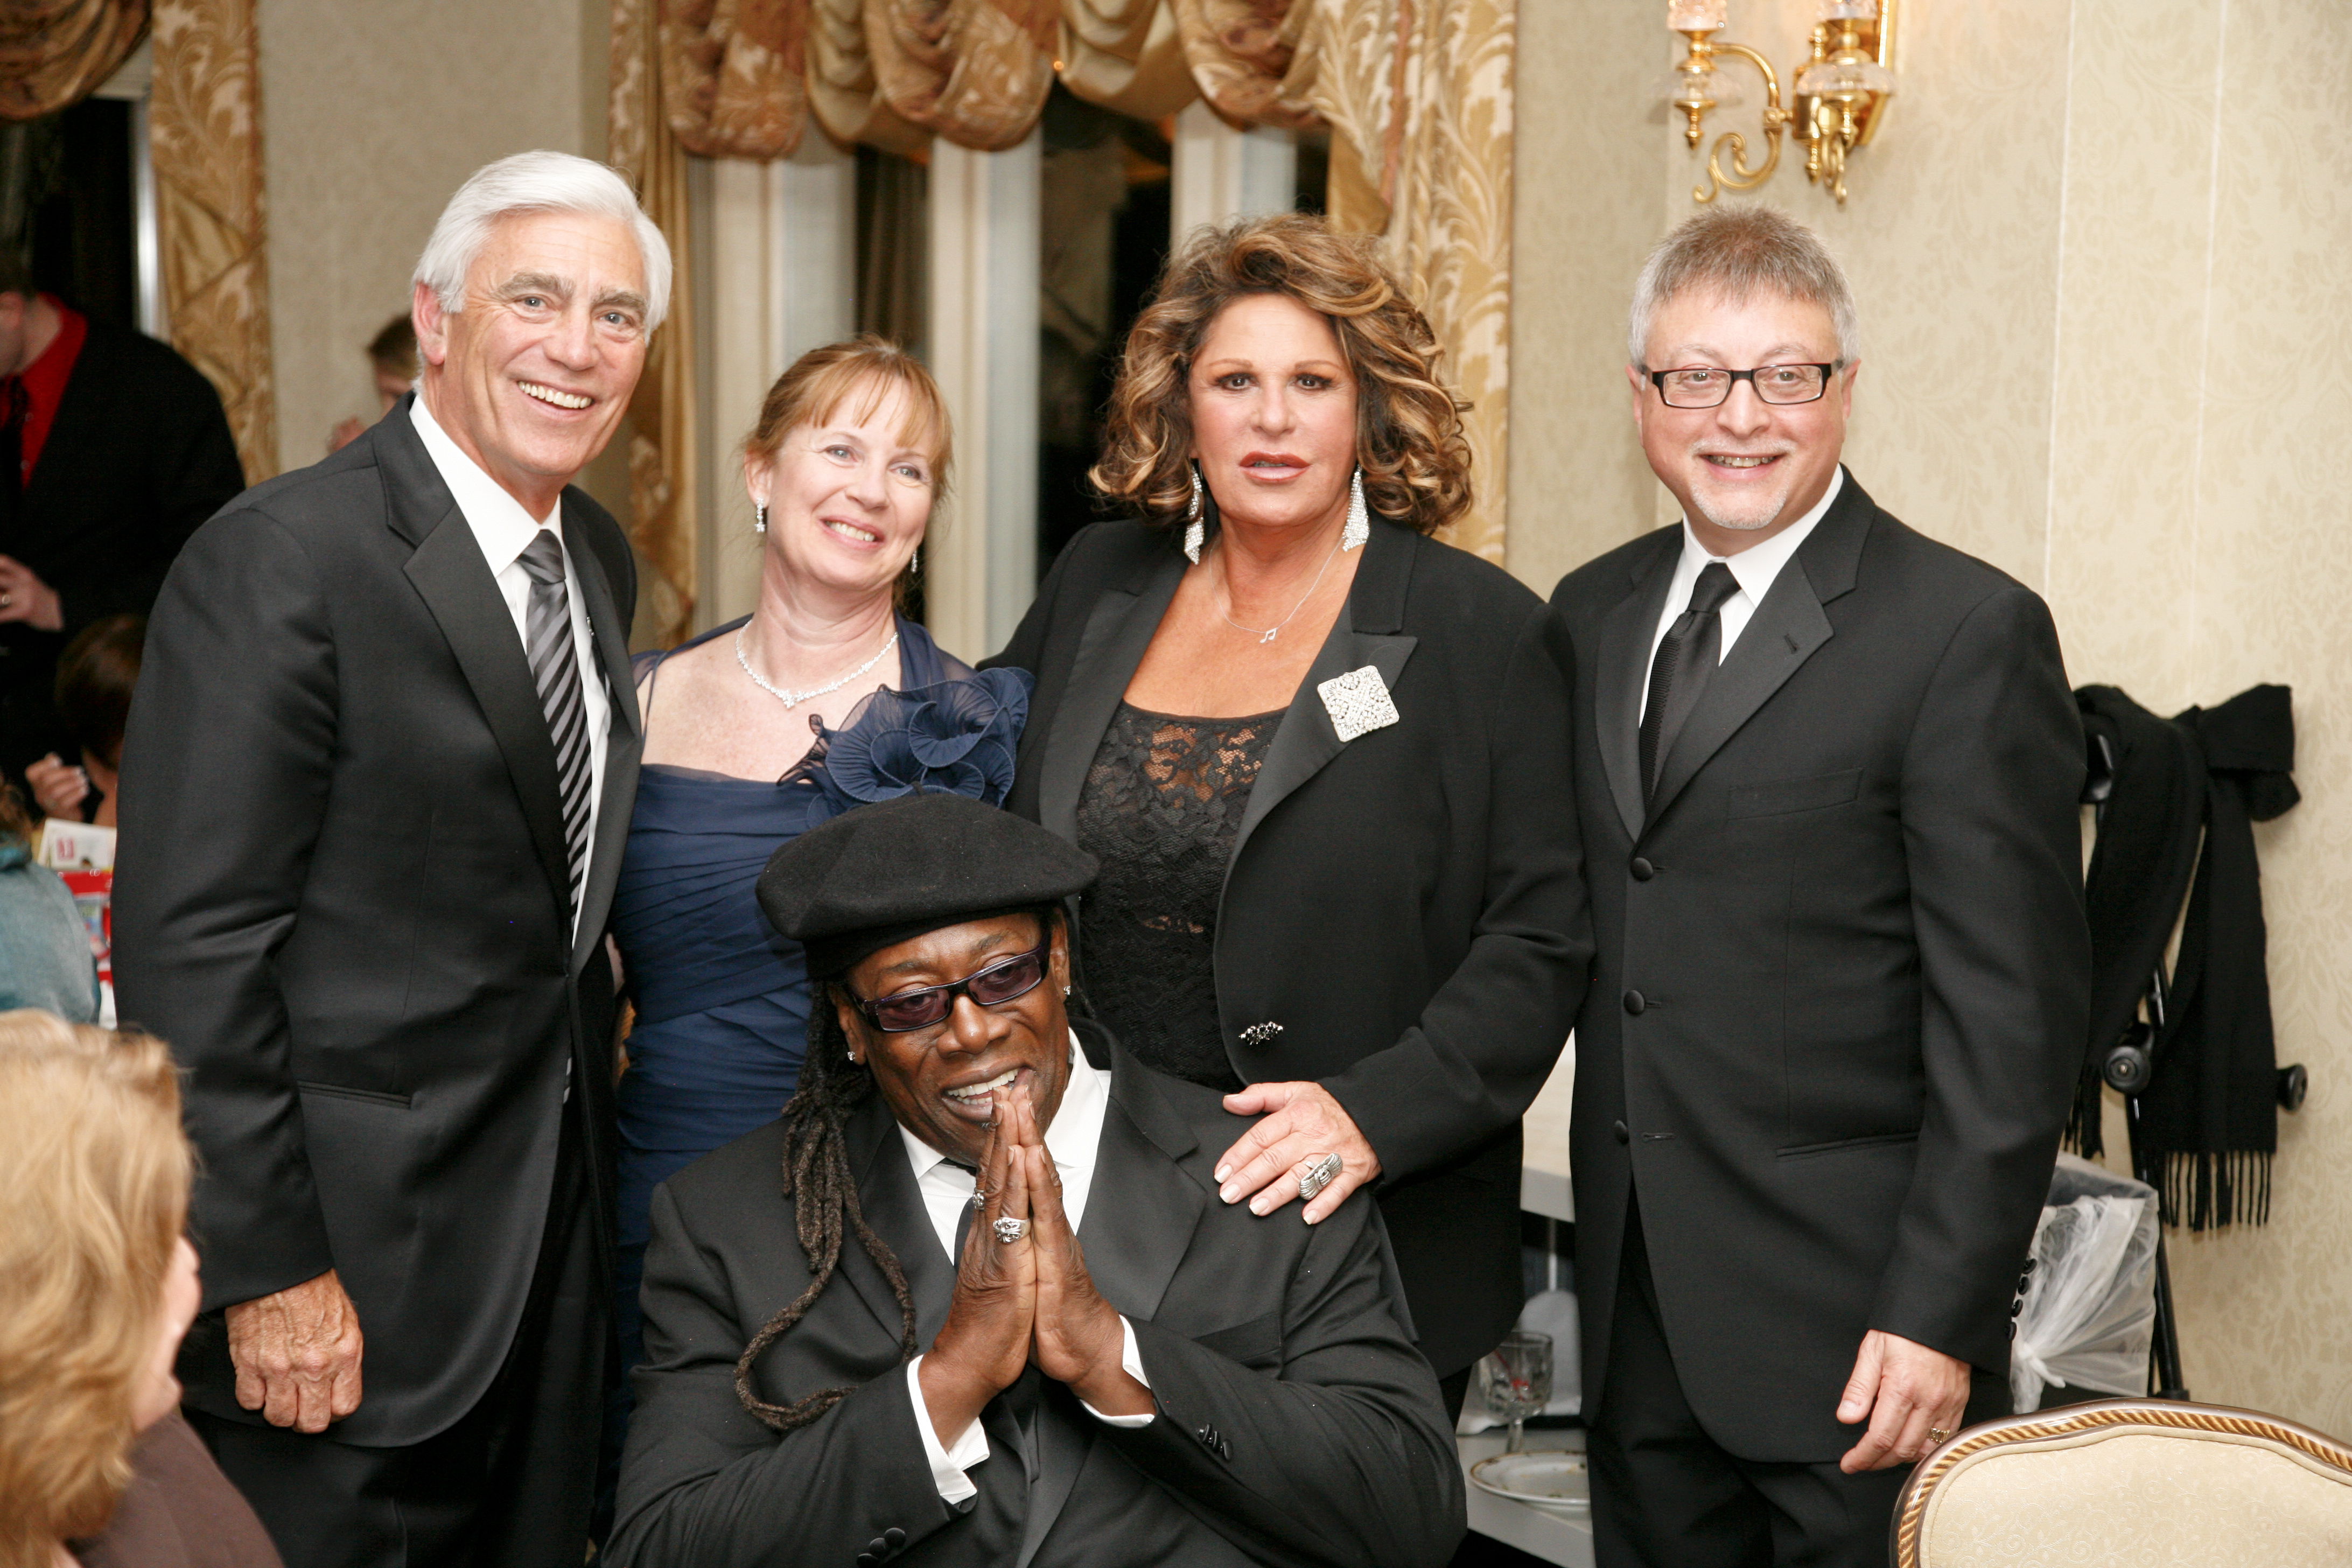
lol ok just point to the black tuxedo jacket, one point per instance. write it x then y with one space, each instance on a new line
1844 973
343 900
1296 1424
138 456
1403 917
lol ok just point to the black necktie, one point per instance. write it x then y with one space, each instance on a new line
547 636
1686 656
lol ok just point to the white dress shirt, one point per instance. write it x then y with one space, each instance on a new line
504 530
1753 569
1073 1138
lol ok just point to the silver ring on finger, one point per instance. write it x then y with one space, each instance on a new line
979 1197
7 600
1318 1176
1009 1230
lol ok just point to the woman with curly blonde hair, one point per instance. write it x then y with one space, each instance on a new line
1323 759
96 1288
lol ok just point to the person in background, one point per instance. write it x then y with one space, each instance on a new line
392 359
112 450
375 789
45 951
1321 757
96 676
1827 771
759 731
98 1283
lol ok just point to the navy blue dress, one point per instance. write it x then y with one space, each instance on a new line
722 1001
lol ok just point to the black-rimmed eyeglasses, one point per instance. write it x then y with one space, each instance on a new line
1707 385
907 1011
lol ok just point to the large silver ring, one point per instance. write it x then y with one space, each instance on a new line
979 1197
1318 1176
1009 1230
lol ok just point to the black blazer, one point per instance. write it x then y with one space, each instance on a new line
1844 972
140 456
1404 918
1294 1423
343 900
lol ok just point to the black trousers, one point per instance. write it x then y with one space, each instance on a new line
509 1486
1666 1495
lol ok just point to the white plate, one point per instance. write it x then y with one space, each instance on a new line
1555 1480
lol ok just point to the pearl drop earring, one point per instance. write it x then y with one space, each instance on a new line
760 518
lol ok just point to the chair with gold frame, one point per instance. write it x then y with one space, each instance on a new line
2145 1482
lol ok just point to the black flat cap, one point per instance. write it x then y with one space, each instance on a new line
889 872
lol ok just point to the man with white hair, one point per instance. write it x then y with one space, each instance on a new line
376 784
1827 772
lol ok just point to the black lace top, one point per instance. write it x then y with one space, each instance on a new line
1161 809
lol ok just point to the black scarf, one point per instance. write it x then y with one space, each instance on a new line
2210 1109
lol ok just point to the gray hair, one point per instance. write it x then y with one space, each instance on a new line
1740 252
541 181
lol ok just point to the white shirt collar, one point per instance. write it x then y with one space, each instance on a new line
498 520
1073 1138
1756 566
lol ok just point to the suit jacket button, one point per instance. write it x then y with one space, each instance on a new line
877 1546
1619 1130
1635 1002
1224 1449
1641 869
894 1537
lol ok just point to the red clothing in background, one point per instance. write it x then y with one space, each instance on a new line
45 382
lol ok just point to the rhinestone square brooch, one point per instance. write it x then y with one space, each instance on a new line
1357 703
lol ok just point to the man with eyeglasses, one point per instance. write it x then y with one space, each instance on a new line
1827 772
971 1300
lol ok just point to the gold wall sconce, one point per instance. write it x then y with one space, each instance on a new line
1841 93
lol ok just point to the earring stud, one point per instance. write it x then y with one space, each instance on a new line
760 518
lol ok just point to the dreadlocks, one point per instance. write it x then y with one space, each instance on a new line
817 1179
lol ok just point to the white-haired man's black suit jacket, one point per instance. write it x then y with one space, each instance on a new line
1842 976
345 902
1296 1424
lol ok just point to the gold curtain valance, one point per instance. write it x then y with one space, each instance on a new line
53 53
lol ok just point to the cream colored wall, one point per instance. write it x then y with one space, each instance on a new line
2103 258
372 115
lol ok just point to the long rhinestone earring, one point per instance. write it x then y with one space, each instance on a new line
1359 525
915 563
760 518
1196 531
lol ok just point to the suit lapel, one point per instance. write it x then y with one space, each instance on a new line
1621 668
455 582
888 1197
625 740
1117 632
1366 632
1785 629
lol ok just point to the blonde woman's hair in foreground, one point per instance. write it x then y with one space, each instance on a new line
1409 438
94 1173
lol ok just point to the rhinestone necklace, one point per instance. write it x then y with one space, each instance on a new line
1267 633
794 699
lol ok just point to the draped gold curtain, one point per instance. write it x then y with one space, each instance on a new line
53 52
204 133
663 92
1417 94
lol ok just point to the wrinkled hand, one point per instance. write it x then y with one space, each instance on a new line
58 787
1078 1338
297 1354
984 1344
25 598
1302 1124
1902 1388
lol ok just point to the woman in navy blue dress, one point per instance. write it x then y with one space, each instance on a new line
824 697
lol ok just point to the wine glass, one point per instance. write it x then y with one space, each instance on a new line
1514 1379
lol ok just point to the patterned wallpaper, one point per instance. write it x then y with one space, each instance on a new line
2103 260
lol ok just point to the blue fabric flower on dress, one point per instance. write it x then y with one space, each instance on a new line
959 736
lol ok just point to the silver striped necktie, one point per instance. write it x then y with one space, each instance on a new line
554 667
